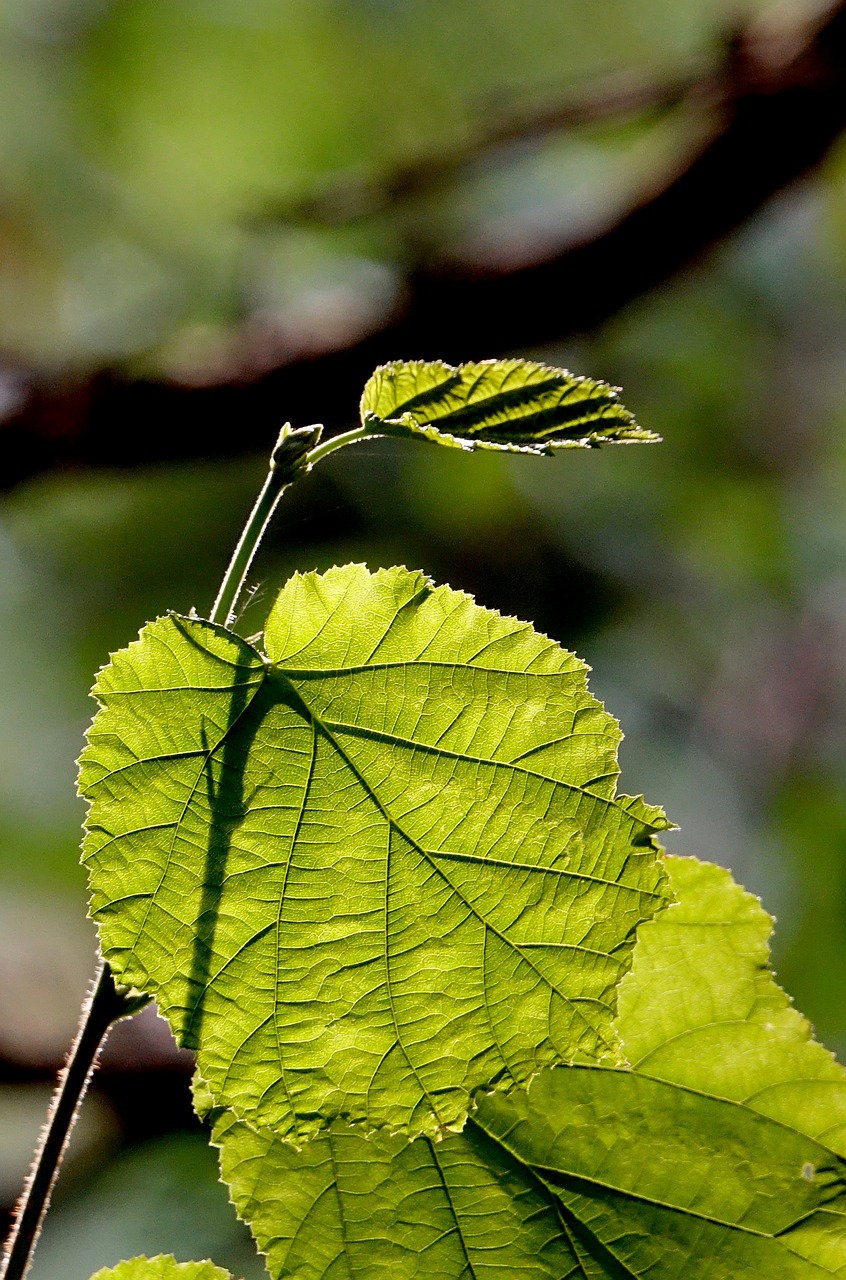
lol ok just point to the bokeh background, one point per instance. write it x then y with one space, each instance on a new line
207 211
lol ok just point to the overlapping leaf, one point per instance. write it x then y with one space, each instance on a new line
374 869
728 1168
700 1008
663 1179
516 405
381 1208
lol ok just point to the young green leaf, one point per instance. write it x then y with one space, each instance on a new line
162 1267
728 1173
516 405
374 870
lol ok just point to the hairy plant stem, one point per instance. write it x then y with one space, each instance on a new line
106 1002
104 1005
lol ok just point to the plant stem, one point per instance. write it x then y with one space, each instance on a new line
104 1005
242 557
289 459
338 442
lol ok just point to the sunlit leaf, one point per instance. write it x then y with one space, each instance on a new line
381 1207
374 869
663 1179
701 1009
612 1174
516 405
162 1267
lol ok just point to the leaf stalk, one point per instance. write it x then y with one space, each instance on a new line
338 442
292 456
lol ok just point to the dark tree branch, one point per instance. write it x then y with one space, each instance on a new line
614 99
780 106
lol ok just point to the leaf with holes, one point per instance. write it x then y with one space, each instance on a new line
515 405
374 868
730 1166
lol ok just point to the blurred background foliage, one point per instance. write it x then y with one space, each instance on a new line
177 179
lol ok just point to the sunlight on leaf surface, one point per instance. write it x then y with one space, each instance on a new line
609 1174
375 869
516 405
701 1008
382 1208
162 1267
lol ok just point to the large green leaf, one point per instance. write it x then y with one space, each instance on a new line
517 405
730 1160
700 1008
162 1267
662 1178
381 1208
374 869
612 1174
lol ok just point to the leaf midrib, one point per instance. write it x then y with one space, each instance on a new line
547 1174
570 1001
359 668
396 739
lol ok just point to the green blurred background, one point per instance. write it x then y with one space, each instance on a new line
158 162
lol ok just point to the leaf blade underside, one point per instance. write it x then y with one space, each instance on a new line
622 1175
519 406
383 1208
374 870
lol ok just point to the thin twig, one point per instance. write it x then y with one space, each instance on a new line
104 1005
